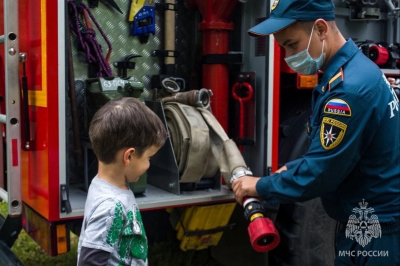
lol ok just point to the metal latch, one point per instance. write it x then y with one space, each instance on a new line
65 205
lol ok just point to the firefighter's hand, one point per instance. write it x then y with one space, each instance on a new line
245 186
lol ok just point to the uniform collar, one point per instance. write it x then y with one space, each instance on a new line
345 53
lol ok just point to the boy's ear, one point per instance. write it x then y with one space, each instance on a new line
128 154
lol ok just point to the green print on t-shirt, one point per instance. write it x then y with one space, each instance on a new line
139 245
116 225
132 242
126 238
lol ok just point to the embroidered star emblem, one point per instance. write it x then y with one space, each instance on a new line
329 136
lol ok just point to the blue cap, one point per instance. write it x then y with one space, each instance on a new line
287 12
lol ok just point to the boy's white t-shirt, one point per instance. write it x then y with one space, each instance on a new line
112 222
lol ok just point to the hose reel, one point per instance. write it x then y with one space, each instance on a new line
191 142
200 144
202 147
190 135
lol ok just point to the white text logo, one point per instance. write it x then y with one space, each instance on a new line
361 226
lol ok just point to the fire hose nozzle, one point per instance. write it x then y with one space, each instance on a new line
196 98
263 234
203 98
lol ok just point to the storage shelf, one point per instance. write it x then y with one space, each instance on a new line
155 198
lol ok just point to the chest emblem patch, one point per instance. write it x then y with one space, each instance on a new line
332 133
337 107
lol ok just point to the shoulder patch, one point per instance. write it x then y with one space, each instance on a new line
336 79
337 107
332 132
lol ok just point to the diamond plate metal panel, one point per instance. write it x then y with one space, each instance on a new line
116 27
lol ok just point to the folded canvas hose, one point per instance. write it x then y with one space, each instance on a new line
200 144
191 142
225 150
194 132
262 232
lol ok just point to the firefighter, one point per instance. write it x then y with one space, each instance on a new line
353 162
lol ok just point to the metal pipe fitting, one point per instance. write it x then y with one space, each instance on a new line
196 98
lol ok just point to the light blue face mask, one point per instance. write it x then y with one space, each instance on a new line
303 63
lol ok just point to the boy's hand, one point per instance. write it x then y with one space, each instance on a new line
245 186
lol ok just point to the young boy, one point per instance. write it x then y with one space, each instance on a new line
124 134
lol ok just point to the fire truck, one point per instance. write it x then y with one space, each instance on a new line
64 59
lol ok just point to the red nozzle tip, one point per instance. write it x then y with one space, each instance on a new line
263 235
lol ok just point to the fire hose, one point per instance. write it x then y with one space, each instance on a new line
191 143
202 147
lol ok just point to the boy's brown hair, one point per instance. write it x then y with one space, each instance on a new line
125 123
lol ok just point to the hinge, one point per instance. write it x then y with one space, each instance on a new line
65 205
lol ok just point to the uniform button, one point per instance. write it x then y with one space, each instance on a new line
323 89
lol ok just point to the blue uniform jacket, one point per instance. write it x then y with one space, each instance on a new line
355 143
